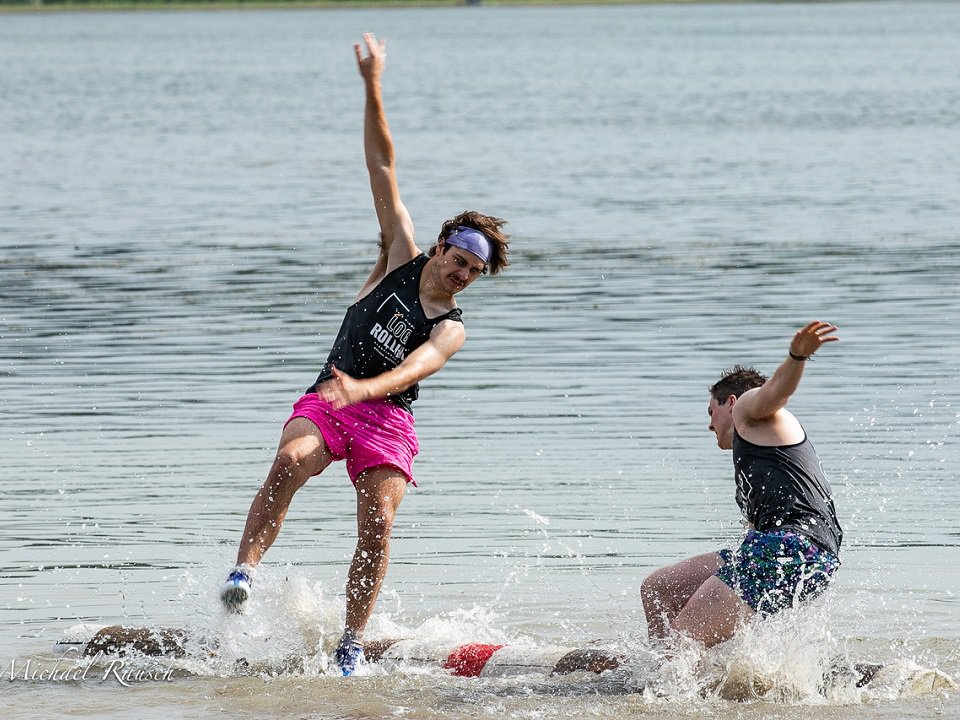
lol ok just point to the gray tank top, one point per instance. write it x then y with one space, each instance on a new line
784 488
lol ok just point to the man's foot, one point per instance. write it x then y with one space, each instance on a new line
236 589
349 654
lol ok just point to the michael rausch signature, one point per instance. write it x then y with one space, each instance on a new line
93 668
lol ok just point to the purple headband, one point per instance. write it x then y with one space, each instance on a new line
472 241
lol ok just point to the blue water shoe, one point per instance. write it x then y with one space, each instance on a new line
236 589
349 654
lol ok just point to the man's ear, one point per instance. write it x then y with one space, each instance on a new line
731 400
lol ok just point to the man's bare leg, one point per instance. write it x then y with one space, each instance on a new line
665 592
379 492
301 454
713 614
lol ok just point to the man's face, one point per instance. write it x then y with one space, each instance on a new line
721 421
458 268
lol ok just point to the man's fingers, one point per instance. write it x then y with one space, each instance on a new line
817 328
824 333
376 49
330 395
372 44
812 335
813 326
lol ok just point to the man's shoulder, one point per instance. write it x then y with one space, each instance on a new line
403 260
741 409
781 428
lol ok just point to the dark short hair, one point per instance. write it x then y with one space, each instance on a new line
736 381
490 226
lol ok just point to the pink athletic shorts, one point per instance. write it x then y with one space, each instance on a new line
368 434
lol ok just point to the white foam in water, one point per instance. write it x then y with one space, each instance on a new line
291 625
463 625
792 658
903 679
784 658
77 636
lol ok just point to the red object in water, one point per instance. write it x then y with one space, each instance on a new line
468 660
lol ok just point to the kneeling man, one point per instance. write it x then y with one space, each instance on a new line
790 552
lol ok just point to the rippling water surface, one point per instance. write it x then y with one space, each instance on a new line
184 215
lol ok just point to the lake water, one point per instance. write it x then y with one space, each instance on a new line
184 215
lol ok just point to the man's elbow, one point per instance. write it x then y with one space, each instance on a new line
381 163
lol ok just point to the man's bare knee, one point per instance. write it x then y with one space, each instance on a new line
375 529
288 463
657 585
648 592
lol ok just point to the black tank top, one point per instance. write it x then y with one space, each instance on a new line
784 488
382 328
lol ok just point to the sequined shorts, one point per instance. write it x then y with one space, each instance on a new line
776 570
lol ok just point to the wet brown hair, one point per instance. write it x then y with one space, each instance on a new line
490 226
736 381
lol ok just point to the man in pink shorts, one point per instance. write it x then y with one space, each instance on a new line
403 326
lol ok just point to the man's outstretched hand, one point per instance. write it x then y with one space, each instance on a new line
371 65
810 337
342 390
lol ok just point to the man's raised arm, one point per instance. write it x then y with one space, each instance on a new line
762 403
396 227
